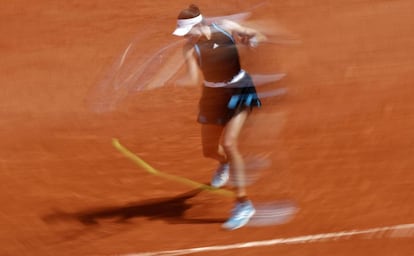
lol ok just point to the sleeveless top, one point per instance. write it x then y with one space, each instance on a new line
218 56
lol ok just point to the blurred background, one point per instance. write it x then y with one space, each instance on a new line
338 143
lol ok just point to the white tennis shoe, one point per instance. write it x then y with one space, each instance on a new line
240 216
221 177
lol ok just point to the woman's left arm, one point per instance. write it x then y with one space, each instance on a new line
245 35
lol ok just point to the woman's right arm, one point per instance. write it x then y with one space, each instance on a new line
192 76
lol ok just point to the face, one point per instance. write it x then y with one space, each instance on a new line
195 33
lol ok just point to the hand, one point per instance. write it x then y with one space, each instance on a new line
253 42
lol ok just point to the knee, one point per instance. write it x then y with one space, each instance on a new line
229 145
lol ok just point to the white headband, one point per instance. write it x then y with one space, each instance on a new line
185 25
189 22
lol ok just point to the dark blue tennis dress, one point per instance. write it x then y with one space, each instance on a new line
227 88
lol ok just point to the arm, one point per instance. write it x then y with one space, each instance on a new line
245 35
192 76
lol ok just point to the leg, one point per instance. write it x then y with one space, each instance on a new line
211 135
244 209
230 146
210 138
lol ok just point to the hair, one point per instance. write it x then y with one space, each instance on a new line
190 12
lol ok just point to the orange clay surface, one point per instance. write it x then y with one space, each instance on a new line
340 141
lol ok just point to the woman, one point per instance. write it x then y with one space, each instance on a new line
228 96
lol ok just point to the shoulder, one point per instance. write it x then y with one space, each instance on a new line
229 25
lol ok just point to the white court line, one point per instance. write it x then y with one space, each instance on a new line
403 230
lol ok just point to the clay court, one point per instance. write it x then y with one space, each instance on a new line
338 142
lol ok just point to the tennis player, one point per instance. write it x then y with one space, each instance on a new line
228 96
